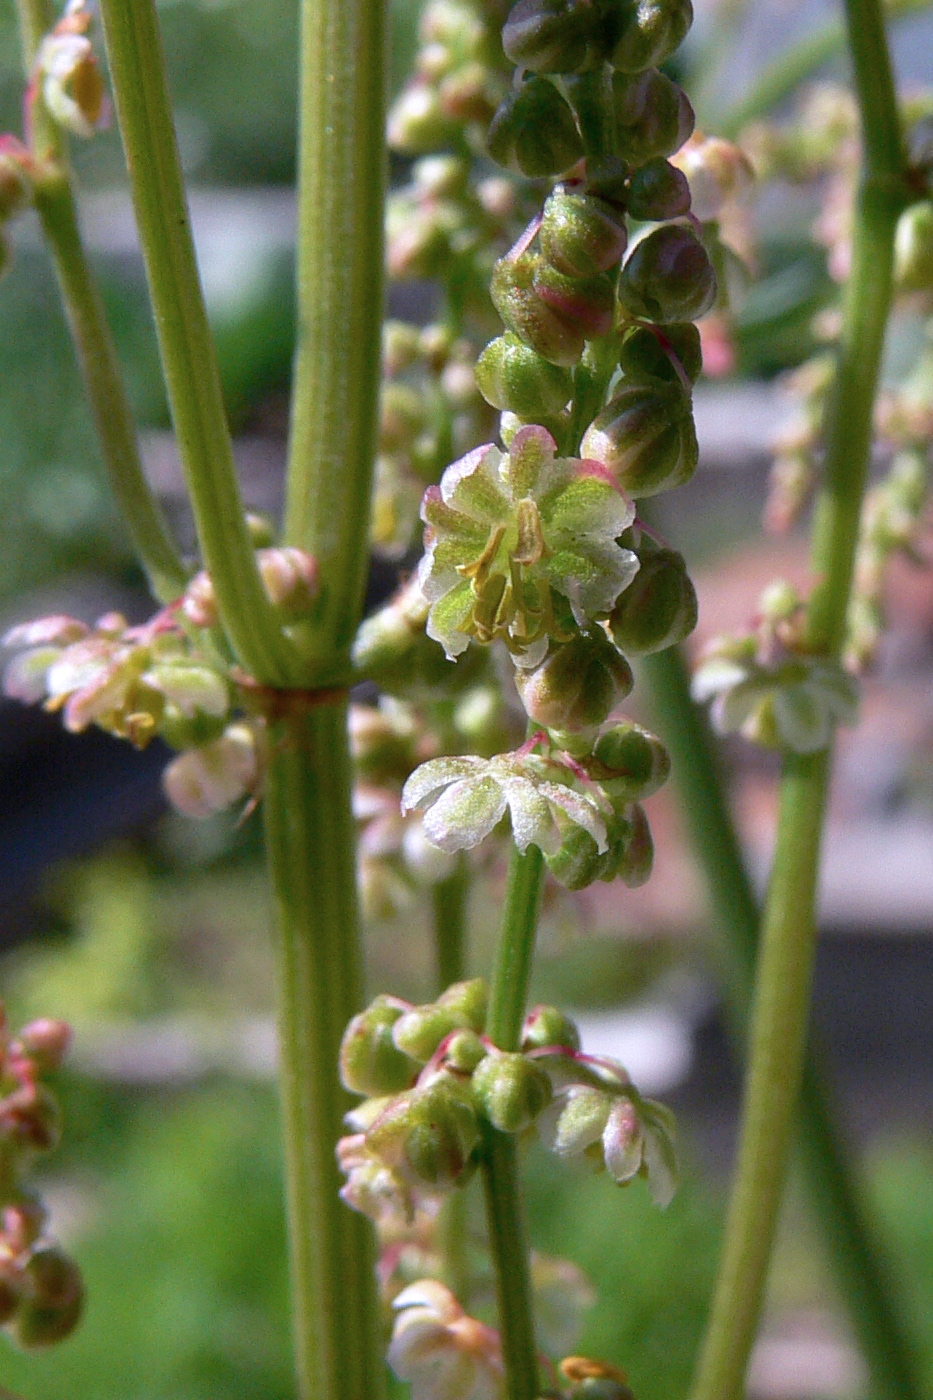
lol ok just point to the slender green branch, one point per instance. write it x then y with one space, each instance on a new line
505 1212
783 75
839 1210
189 361
788 933
110 409
337 366
310 843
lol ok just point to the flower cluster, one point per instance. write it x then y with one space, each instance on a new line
41 1293
768 687
432 1078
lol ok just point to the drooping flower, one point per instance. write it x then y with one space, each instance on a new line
467 796
507 531
442 1352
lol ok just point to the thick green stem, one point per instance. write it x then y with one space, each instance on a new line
854 1255
97 360
505 1211
310 842
781 1006
337 365
189 361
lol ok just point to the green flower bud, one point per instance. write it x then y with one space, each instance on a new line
913 249
645 436
370 1062
659 609
644 356
658 190
635 849
668 277
579 862
542 327
581 235
510 1090
533 131
546 1025
637 763
430 1133
417 122
648 32
53 1299
467 1000
510 375
420 1031
464 1051
587 302
551 36
577 684
653 116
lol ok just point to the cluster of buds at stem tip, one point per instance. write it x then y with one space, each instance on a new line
767 685
431 1079
41 1292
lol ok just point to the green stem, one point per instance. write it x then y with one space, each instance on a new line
782 997
859 1268
337 366
189 361
505 1211
310 843
97 360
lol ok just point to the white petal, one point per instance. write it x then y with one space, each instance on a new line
432 777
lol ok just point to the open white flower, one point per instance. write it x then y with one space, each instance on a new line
440 1351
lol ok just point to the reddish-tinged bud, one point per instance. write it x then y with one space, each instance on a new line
651 353
587 302
645 436
658 609
668 277
582 235
546 1025
554 337
533 131
53 1299
46 1043
577 684
648 32
658 190
512 376
370 1062
637 763
653 116
29 1118
510 1091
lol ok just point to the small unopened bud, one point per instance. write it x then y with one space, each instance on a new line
464 1051
718 172
208 779
636 859
653 116
649 32
199 604
658 609
658 190
581 235
587 302
467 999
637 762
550 36
46 1043
913 249
668 277
546 1025
652 353
510 375
417 123
261 530
420 1031
579 862
434 1134
577 684
645 436
515 298
53 1299
291 580
370 1062
510 1091
399 346
533 131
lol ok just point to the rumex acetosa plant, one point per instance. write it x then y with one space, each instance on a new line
566 329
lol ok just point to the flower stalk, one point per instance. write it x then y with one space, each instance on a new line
781 1007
